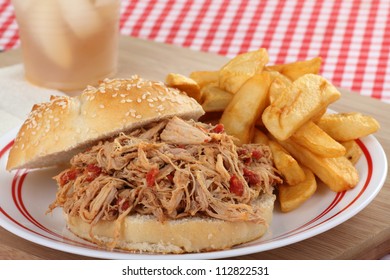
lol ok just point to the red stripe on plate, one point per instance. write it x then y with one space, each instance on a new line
6 148
18 181
17 186
363 189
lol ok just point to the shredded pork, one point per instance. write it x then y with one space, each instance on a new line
171 169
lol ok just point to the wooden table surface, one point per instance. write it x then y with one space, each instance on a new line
364 236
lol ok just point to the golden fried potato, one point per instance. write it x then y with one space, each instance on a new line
215 99
297 104
203 78
278 85
348 126
318 141
185 84
353 151
242 67
291 197
286 164
337 173
259 137
247 104
297 69
317 117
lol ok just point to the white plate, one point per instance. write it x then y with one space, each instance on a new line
25 196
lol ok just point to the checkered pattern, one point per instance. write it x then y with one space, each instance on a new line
349 35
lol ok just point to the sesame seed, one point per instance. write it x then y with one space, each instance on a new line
139 100
101 106
138 116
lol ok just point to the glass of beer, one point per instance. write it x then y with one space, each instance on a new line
68 44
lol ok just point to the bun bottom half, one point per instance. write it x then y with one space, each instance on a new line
144 233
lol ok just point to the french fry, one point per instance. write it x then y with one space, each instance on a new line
317 117
242 67
289 102
297 69
286 164
185 84
291 197
215 99
353 151
247 104
203 78
318 141
297 104
259 137
348 126
278 85
338 173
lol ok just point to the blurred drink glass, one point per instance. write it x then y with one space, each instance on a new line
68 44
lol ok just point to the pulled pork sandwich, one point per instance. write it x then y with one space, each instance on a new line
149 177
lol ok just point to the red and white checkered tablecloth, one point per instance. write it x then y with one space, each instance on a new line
352 36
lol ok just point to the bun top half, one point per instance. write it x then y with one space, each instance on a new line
55 131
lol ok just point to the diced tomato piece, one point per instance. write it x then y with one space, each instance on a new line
125 204
251 177
151 177
242 152
219 128
236 185
256 154
92 171
93 168
68 176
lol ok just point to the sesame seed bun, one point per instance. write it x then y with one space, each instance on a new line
55 131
